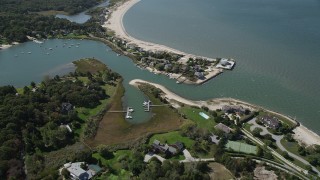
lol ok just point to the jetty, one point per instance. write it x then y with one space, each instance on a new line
128 112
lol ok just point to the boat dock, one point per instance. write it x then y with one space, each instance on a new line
147 105
128 112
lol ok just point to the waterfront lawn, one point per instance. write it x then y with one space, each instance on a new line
193 114
171 138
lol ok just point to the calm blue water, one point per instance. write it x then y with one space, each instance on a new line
81 17
276 45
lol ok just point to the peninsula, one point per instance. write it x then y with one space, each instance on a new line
160 59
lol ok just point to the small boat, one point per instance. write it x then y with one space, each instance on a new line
29 52
128 117
15 55
118 54
69 47
50 48
77 46
178 82
48 53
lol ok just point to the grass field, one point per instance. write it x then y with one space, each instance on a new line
114 129
171 138
241 147
193 114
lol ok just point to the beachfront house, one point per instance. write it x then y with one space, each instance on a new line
235 109
270 122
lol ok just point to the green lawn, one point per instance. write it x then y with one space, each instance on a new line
193 114
171 138
247 126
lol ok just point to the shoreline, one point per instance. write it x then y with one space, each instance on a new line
301 133
6 46
114 23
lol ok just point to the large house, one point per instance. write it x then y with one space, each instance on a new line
234 109
77 173
270 121
167 149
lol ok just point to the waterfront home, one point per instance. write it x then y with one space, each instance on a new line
270 121
223 128
235 109
225 64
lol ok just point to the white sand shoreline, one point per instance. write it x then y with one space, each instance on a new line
6 46
115 23
302 133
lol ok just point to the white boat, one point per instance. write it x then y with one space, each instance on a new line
50 48
128 117
77 46
178 82
29 52
118 54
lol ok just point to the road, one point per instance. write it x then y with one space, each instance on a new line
278 139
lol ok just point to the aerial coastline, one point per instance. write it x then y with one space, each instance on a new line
302 133
114 23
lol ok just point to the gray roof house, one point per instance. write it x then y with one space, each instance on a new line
270 121
199 75
165 148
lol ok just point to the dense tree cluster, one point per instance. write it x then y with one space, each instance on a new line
18 19
34 120
69 6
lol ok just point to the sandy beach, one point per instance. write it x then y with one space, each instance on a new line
5 46
115 23
302 134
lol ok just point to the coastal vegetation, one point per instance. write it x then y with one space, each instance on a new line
19 19
44 119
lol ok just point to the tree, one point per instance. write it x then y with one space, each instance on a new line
65 173
285 154
33 84
256 132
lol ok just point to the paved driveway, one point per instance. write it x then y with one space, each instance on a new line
278 138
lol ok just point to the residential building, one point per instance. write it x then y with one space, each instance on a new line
270 121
